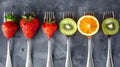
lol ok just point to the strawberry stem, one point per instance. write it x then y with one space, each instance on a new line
25 17
28 18
11 17
49 20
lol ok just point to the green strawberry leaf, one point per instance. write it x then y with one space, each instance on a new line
11 17
27 18
50 20
30 18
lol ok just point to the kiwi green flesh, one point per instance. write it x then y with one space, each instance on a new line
67 26
110 26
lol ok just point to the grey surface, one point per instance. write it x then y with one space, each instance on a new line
78 41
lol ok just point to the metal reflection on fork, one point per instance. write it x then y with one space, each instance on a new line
90 62
68 62
29 45
8 58
28 57
109 62
49 16
68 14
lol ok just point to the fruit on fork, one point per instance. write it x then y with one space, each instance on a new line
88 25
110 26
68 26
49 26
9 27
29 25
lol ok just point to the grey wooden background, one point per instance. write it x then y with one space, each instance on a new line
78 41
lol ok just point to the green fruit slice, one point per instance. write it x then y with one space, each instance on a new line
67 26
110 26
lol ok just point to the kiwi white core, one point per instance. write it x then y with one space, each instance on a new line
67 26
110 26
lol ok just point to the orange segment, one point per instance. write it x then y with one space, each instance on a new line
88 25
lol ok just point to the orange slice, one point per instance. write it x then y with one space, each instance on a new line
88 25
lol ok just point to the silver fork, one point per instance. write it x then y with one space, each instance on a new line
28 57
109 62
29 47
8 58
49 16
90 62
68 62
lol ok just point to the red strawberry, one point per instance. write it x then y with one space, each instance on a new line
49 28
29 26
9 28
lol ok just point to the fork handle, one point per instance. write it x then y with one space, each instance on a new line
28 58
109 62
68 56
8 59
49 57
90 58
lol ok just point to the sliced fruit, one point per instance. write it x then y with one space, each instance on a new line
110 26
67 26
88 25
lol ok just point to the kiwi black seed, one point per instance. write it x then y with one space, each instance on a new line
67 26
110 26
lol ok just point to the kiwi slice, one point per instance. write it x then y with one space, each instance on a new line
68 26
110 26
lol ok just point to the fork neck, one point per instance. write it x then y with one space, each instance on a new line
109 36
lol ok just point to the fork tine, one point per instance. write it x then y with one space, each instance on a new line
108 14
89 13
4 14
49 16
103 15
68 14
71 14
53 16
63 15
44 15
113 14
